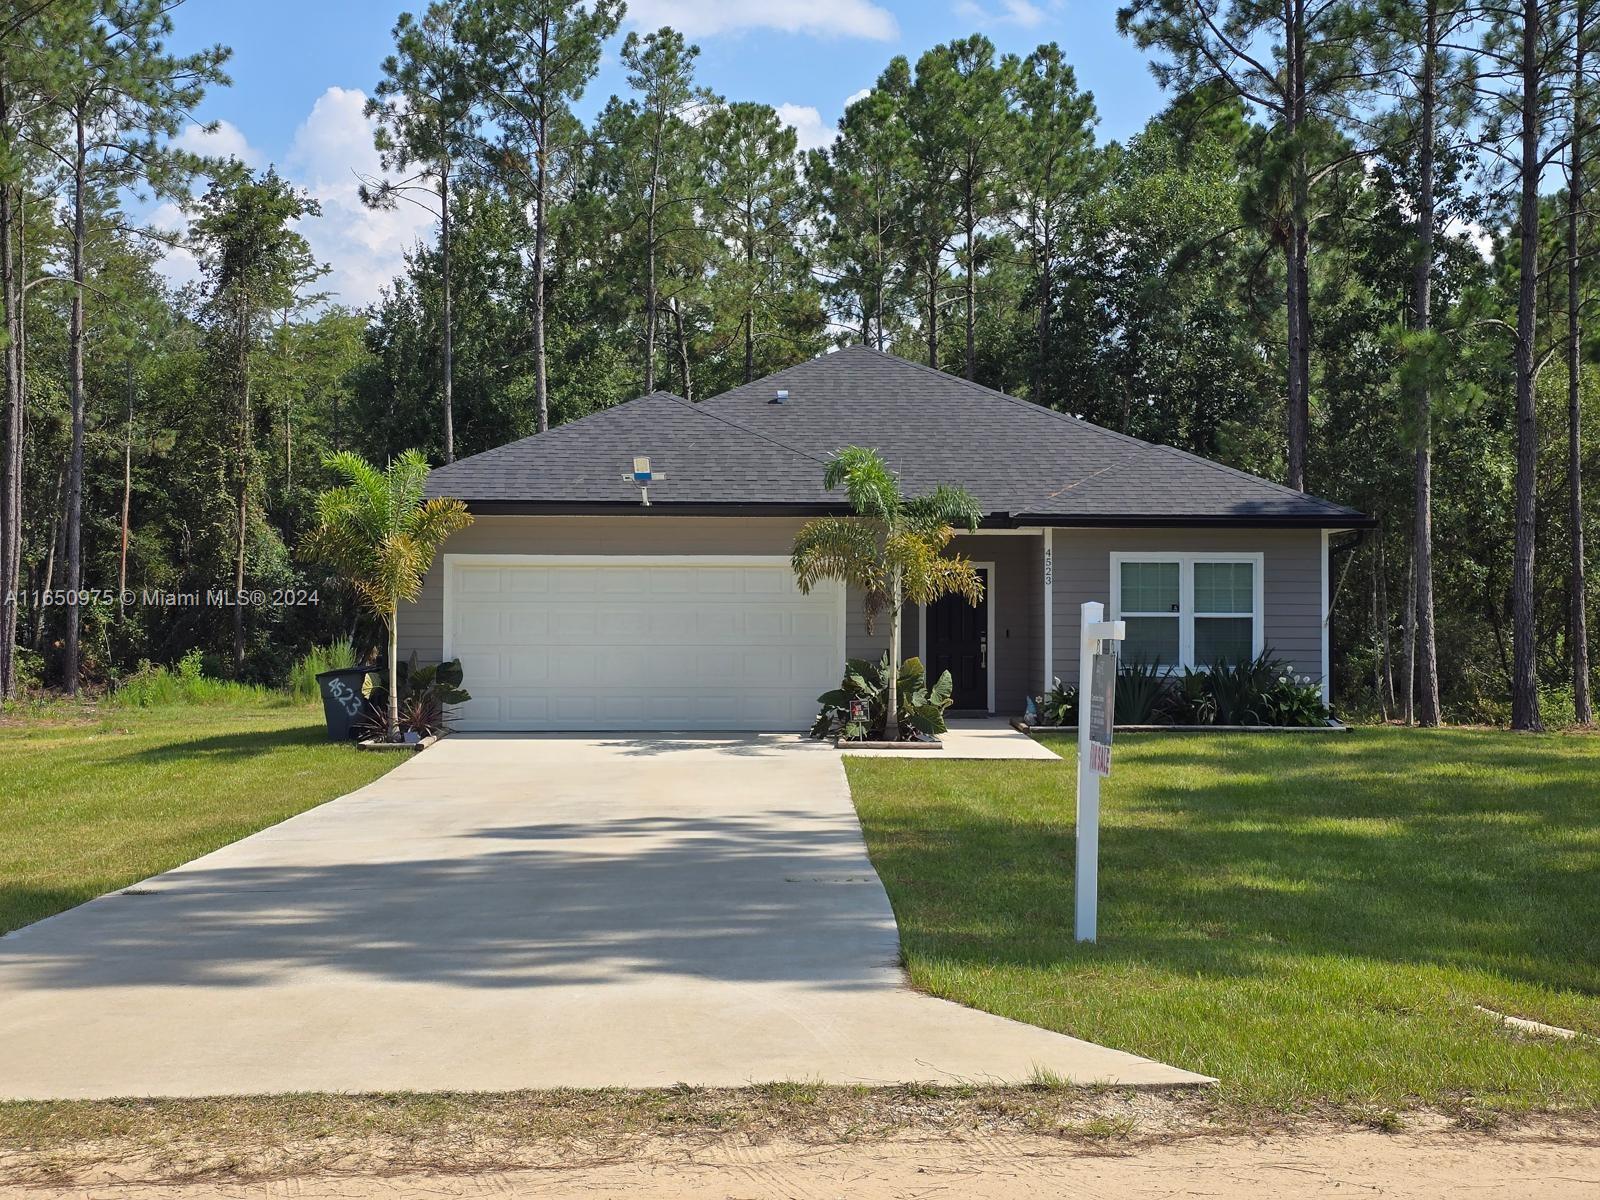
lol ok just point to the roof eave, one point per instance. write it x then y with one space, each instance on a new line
1337 520
994 520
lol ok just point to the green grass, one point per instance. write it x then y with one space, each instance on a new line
96 801
1311 919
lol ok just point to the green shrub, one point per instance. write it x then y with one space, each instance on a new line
867 686
1257 691
1059 706
426 697
303 676
1141 688
1296 700
151 686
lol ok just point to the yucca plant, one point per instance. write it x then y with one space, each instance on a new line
379 531
1141 687
891 548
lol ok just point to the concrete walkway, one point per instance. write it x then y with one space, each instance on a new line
973 737
515 912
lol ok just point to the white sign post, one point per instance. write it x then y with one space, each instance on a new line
1096 715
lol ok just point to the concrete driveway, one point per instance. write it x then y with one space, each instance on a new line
515 912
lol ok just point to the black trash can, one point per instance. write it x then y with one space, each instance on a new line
342 700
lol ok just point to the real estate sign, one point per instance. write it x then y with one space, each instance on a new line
1102 712
1097 707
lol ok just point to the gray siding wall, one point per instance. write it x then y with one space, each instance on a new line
1291 583
422 624
1017 593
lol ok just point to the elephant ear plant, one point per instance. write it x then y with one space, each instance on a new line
379 530
426 697
890 549
865 690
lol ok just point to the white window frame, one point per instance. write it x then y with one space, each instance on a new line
1186 561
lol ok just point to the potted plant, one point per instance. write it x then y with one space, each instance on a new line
379 530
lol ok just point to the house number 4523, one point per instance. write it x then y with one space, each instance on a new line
1049 568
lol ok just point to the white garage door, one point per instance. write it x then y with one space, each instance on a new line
553 642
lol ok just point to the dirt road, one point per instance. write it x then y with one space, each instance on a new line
1547 1163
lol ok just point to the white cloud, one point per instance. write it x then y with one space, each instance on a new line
826 18
1474 233
854 96
1011 12
178 265
364 248
331 152
226 140
813 131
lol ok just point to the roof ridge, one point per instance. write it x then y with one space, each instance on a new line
1100 429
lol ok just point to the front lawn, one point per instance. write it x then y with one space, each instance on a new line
1310 919
91 801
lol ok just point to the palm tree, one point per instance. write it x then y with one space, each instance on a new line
377 529
891 549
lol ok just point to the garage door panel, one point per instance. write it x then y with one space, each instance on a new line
478 581
569 623
658 645
672 624
479 625
527 712
524 625
525 583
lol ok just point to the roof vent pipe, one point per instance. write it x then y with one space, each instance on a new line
781 396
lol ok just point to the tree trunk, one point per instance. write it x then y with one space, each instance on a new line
891 716
1041 362
1380 661
1384 623
1426 646
1524 680
749 307
1410 648
449 326
127 504
242 491
394 673
1579 618
933 314
58 534
10 442
970 289
682 339
541 386
650 272
74 548
1297 251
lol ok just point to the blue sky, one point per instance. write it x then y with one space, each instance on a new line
301 70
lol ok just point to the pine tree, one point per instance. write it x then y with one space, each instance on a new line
539 56
425 122
124 96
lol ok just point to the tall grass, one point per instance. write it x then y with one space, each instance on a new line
155 687
303 678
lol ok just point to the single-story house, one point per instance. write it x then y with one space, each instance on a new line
575 605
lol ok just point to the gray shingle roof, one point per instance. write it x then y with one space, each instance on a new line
740 451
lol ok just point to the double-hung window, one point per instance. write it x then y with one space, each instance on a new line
1188 610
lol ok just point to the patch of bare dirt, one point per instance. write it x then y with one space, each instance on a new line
780 1140
1534 1162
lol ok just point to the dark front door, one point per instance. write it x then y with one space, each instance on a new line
958 642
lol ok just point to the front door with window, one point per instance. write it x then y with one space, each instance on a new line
958 642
